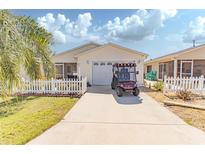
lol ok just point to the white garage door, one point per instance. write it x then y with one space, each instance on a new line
102 73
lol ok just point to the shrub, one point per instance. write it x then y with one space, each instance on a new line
158 86
184 94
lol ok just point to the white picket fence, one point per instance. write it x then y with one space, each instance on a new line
64 86
194 84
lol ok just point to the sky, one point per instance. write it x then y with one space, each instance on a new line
155 32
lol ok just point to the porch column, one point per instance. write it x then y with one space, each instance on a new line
175 68
63 70
78 69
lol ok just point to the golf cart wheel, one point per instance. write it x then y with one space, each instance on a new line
136 92
119 91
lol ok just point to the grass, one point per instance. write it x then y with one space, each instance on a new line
22 119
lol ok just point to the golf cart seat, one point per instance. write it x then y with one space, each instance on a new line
124 75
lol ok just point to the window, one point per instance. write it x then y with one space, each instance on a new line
102 63
69 68
162 70
109 63
149 68
199 68
59 71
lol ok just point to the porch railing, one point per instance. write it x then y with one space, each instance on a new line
193 84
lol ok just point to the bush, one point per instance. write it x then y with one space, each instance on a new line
158 86
184 94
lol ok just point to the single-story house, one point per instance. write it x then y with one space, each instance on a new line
94 61
185 63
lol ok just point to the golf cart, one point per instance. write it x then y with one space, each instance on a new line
124 78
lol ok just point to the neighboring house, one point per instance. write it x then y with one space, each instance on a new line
185 63
94 61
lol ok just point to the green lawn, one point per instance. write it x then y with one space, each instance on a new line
22 119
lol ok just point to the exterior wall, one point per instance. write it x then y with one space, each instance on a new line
198 57
109 53
195 54
65 58
68 57
155 67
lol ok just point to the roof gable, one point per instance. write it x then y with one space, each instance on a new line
113 45
79 49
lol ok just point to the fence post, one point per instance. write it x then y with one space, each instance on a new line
165 81
52 86
85 84
201 83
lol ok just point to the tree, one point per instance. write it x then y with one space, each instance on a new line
23 43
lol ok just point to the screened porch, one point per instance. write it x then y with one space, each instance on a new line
66 70
182 68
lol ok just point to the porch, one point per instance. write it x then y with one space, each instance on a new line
182 68
66 70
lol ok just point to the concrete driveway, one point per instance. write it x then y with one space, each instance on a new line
100 117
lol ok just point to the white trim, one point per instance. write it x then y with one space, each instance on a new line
186 61
175 68
78 69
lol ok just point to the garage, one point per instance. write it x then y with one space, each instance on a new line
102 73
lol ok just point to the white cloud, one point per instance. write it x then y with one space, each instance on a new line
79 28
47 21
195 30
138 26
61 19
63 28
166 14
59 37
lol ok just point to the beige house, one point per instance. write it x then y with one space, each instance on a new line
185 63
94 61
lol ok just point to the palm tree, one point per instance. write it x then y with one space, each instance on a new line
23 44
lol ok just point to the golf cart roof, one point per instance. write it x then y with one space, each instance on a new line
124 65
